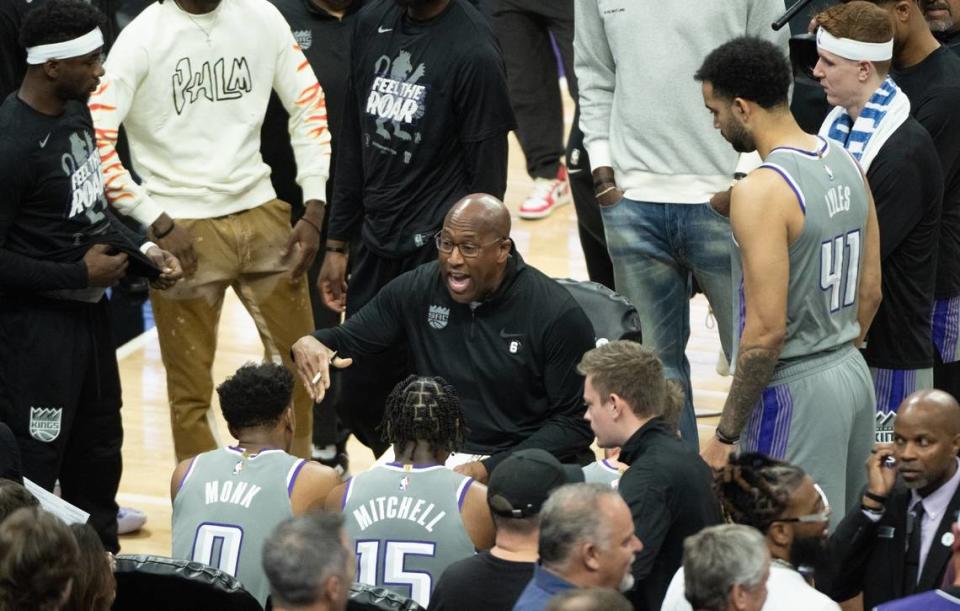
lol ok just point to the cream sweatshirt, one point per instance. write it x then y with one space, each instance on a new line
191 92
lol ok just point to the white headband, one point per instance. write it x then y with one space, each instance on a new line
854 49
91 41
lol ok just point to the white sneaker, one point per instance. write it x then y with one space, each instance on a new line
130 520
547 195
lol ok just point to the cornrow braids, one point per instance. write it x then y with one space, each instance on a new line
755 490
424 409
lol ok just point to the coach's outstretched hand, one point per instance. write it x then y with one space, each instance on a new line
170 269
313 361
104 269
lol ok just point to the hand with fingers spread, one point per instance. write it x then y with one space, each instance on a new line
103 268
313 361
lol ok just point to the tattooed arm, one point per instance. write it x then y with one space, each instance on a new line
765 217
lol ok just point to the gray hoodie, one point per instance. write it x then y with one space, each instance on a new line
641 112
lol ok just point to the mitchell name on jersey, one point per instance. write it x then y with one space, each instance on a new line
407 508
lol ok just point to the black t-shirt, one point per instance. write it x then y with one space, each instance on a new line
933 87
52 207
907 186
13 58
325 40
951 40
419 94
481 583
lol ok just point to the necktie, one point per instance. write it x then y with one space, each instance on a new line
911 568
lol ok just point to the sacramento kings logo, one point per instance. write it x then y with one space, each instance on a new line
304 38
437 316
884 428
45 423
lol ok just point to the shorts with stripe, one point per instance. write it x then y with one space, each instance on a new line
946 328
818 413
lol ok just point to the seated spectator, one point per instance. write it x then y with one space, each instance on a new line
526 332
14 496
867 549
38 561
414 510
784 504
586 540
518 488
726 568
589 599
225 502
94 586
667 486
309 563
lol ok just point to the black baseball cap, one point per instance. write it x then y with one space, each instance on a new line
520 484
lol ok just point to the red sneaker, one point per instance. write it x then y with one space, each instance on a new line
547 195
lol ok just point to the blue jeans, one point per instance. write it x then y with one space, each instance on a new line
656 249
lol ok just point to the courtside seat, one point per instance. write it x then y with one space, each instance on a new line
371 598
612 316
156 582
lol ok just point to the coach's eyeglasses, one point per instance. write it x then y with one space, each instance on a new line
467 249
821 516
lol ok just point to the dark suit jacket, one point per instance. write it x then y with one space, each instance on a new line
869 557
670 493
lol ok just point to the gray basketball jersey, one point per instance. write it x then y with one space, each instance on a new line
406 525
822 293
226 508
601 472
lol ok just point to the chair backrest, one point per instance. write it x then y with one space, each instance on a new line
612 316
364 597
156 582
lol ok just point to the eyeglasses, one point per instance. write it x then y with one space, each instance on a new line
822 516
467 249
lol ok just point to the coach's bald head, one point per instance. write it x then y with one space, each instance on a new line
926 437
474 247
485 212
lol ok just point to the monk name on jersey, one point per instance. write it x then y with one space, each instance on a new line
395 508
238 493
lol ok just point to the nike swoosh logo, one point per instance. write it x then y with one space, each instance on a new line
43 142
382 30
574 170
505 335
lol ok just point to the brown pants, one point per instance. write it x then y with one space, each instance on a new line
241 251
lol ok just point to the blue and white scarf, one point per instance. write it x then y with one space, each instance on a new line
884 112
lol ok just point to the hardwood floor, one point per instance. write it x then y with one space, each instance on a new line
550 244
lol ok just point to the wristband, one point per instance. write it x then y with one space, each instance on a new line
311 223
876 498
600 194
726 439
876 512
340 249
160 236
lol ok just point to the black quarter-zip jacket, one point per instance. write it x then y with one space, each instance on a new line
512 358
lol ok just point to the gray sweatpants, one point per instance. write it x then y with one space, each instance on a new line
818 413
